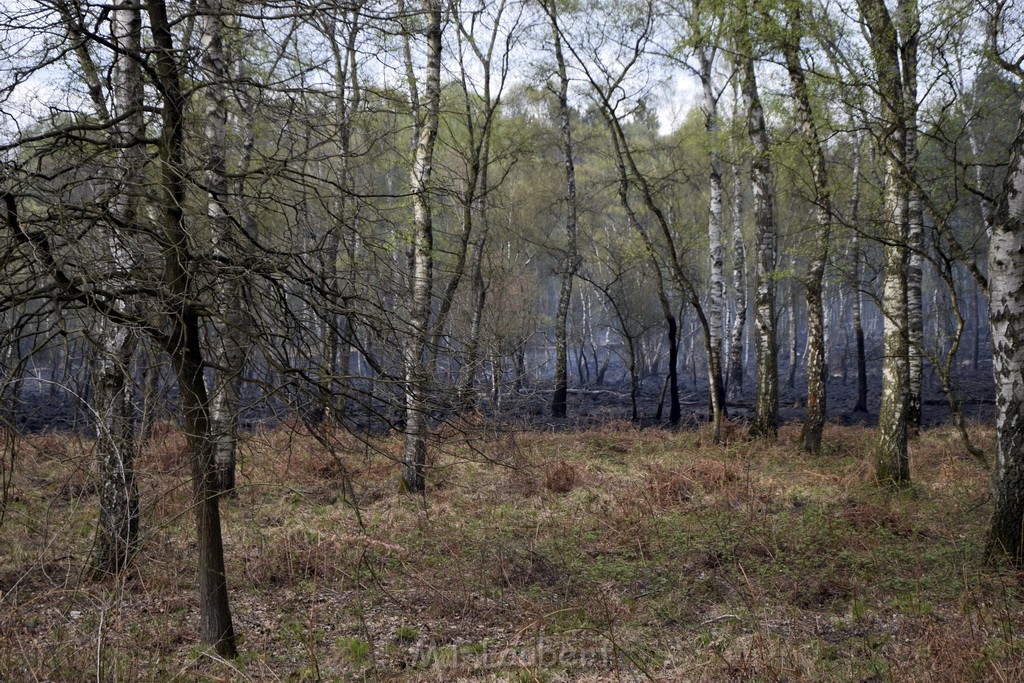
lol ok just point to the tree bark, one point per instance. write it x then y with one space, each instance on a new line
739 287
793 336
1006 328
571 262
472 353
909 30
856 295
115 448
111 375
716 255
892 465
766 401
816 385
228 351
417 379
183 340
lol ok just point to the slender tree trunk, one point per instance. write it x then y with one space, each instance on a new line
622 155
472 353
634 381
909 29
766 401
976 350
856 295
716 254
571 262
813 283
671 325
417 379
112 376
115 448
1006 327
793 338
227 348
478 132
150 394
215 616
183 344
892 464
338 328
739 287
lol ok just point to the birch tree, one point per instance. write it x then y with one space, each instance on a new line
892 464
112 379
815 354
119 109
571 260
739 283
164 267
1006 326
706 53
766 400
909 29
417 377
228 352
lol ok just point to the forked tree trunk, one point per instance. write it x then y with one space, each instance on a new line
477 149
671 324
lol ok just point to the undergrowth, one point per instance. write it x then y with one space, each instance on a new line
609 554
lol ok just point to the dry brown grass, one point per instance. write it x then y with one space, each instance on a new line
608 554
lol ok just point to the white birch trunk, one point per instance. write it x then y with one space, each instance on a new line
766 401
227 349
909 29
892 465
739 287
1006 325
417 379
716 254
816 341
111 374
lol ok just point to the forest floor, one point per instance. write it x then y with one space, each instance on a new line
607 553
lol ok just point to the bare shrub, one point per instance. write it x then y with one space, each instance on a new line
562 477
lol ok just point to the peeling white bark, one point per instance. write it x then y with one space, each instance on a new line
892 465
766 401
1006 323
